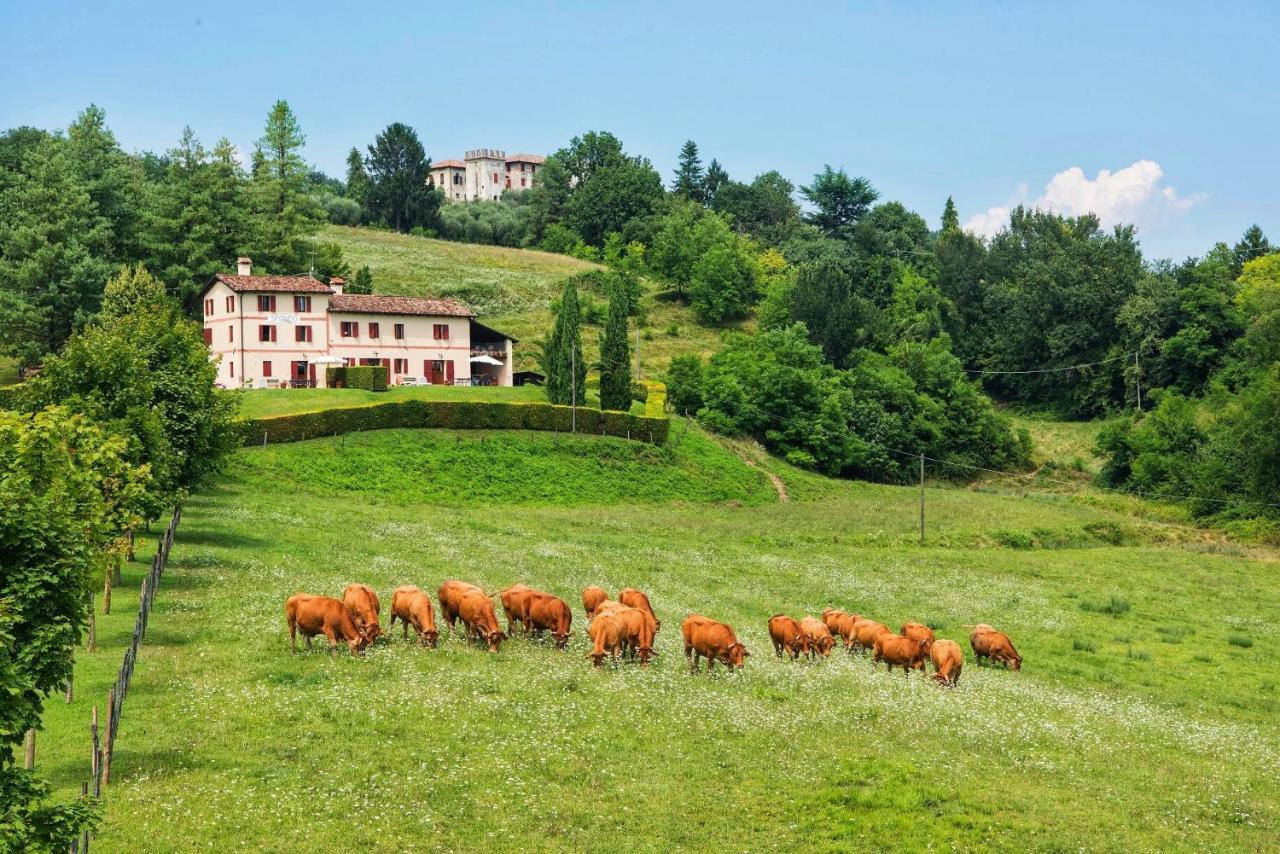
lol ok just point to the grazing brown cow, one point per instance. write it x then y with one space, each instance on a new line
988 643
515 603
919 631
865 633
818 635
638 630
605 606
606 633
840 624
634 598
786 636
591 598
947 661
364 607
413 607
476 612
544 611
712 640
315 615
907 653
450 595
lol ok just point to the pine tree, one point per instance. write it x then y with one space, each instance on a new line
398 194
357 178
566 370
715 178
1252 246
615 355
279 183
950 219
689 176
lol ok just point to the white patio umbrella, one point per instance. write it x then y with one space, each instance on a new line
485 360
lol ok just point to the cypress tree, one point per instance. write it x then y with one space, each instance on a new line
615 355
564 351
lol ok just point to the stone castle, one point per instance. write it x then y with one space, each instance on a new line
484 173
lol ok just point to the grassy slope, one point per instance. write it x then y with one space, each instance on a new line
511 289
1144 730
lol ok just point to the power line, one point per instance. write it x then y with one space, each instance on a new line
1053 370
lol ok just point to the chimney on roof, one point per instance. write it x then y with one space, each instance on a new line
336 284
244 266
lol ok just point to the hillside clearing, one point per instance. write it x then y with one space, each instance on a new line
1146 729
512 290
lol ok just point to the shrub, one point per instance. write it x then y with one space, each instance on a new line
685 382
1242 641
1083 645
451 414
369 377
1114 606
343 211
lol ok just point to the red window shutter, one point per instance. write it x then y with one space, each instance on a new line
373 330
208 336
266 369
231 334
448 371
272 300
232 365
273 333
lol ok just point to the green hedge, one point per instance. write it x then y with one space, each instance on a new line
452 414
655 401
368 377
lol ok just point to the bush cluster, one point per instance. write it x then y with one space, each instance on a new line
451 414
368 377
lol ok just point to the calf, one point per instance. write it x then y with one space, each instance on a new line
364 607
544 611
786 636
591 597
907 653
476 612
987 643
636 599
314 615
947 661
818 636
606 633
865 633
919 631
450 595
515 603
712 640
413 607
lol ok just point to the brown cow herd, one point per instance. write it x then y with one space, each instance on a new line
626 628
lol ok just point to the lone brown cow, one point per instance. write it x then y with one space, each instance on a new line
476 612
315 615
606 633
450 595
364 607
948 660
907 653
787 637
551 613
712 640
818 636
515 603
634 598
592 596
987 643
919 631
413 608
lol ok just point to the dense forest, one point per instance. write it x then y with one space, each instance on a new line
858 334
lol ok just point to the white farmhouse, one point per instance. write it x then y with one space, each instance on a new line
268 331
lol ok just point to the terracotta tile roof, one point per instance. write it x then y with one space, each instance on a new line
271 284
526 158
377 304
451 164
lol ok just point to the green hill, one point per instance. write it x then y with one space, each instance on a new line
511 289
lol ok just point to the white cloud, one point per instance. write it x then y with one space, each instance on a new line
1134 194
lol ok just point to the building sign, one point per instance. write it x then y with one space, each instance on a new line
288 319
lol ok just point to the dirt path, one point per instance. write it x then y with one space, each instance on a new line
778 485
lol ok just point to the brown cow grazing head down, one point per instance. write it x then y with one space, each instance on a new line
787 637
989 644
712 640
314 615
413 608
908 653
607 633
948 661
818 635
919 631
592 596
362 603
477 614
545 612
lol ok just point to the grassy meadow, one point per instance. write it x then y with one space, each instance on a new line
1146 715
512 290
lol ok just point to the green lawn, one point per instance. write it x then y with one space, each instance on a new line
1145 717
512 290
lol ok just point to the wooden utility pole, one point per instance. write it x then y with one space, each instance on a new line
922 499
637 351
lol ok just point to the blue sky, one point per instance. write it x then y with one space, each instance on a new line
992 103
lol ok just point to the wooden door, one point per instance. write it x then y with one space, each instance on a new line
448 372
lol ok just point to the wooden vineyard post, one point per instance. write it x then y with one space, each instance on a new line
70 690
29 750
106 750
106 592
922 499
92 642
